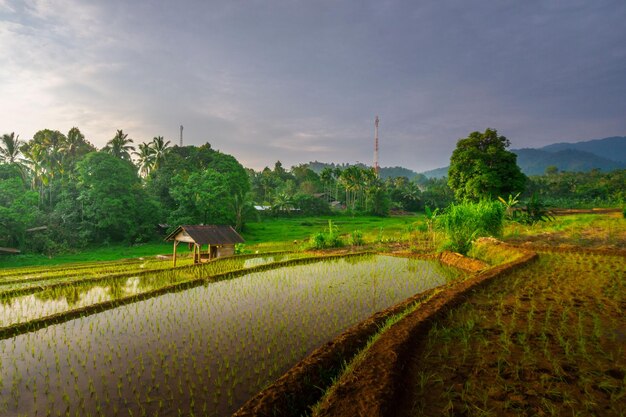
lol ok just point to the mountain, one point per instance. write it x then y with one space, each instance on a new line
535 161
385 172
437 172
605 154
613 148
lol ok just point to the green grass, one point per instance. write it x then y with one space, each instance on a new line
267 235
286 230
587 230
101 253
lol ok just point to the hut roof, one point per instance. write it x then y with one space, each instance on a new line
208 234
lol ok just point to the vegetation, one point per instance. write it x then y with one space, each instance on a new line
481 167
205 350
463 223
541 341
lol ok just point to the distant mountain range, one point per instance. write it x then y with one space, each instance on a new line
604 154
385 172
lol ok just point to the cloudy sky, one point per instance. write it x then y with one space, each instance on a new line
301 80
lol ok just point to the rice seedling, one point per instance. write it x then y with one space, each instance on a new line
204 350
550 345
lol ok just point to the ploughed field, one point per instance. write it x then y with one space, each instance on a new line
547 340
203 349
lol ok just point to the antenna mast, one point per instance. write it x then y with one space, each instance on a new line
376 168
181 136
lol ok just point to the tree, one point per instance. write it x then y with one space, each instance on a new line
10 148
159 148
120 146
18 207
145 159
481 167
74 148
115 206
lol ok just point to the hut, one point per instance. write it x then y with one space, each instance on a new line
220 241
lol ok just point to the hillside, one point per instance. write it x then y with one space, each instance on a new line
535 161
604 154
613 148
385 172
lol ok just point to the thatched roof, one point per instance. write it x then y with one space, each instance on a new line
207 235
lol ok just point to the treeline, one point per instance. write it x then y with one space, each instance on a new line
57 191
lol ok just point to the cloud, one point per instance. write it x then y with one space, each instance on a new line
300 81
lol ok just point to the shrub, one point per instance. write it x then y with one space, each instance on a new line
462 223
356 238
330 239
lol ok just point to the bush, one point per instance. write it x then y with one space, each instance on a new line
462 223
330 239
356 238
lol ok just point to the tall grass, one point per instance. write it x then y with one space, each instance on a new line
463 223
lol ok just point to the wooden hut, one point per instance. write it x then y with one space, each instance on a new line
219 239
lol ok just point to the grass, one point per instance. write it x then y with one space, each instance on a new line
270 234
287 230
99 253
586 230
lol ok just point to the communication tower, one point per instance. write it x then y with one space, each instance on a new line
376 168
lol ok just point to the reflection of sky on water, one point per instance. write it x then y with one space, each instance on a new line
47 302
27 307
233 337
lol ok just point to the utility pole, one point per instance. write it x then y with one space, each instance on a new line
181 136
376 168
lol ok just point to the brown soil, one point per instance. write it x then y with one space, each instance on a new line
565 212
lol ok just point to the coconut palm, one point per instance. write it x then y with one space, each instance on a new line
146 158
160 148
10 148
36 157
120 146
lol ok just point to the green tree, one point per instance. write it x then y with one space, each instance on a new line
73 148
18 207
114 204
160 148
183 194
120 146
481 167
145 159
10 148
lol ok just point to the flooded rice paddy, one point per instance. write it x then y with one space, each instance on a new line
201 351
51 294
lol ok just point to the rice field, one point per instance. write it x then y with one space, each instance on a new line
201 351
39 293
547 340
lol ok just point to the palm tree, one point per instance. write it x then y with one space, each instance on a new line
36 157
160 148
120 146
146 158
10 148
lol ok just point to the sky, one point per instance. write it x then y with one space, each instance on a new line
303 80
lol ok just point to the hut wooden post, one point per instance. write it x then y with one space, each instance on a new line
175 244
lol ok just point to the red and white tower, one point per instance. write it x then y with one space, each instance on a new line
376 146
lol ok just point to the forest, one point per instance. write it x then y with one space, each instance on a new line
59 192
